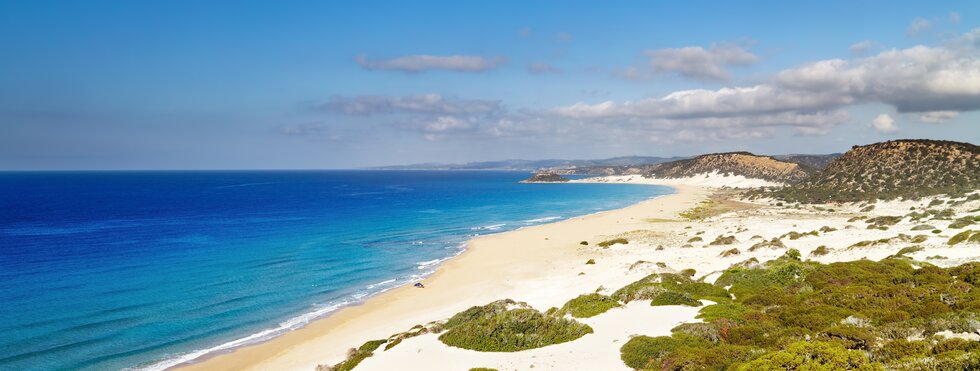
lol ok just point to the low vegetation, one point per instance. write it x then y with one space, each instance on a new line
820 251
506 326
354 356
670 289
789 314
588 305
608 243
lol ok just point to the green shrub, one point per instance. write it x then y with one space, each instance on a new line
675 298
959 237
614 241
961 222
584 243
909 250
820 251
681 352
355 356
730 252
723 240
730 311
793 254
695 239
775 243
923 227
588 305
513 330
812 356
651 286
590 261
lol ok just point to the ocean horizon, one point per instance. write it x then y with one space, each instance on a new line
149 269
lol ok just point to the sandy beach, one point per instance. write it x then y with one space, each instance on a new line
545 266
539 265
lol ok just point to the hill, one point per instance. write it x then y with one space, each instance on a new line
732 163
893 169
812 161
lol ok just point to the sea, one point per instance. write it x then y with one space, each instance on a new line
146 270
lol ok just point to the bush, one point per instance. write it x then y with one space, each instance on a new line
614 241
590 261
355 356
812 356
723 240
909 250
584 243
512 330
731 252
675 298
695 239
650 287
588 305
959 237
820 251
961 222
681 352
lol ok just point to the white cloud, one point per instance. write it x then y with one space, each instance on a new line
422 63
541 68
860 47
565 36
954 17
426 103
938 116
884 123
724 102
917 26
937 82
699 63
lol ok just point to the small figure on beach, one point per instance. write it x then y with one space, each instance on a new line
419 285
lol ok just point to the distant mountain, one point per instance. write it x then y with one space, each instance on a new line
887 170
812 161
534 165
733 163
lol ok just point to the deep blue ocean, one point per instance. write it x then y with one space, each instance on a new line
115 270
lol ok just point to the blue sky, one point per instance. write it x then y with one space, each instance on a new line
249 84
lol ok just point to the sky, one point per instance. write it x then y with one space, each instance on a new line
176 84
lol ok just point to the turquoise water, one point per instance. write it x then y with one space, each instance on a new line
113 270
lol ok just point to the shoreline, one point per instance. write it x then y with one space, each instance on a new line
454 286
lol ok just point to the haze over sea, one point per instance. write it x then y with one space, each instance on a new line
112 270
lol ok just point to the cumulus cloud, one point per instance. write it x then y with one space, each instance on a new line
423 63
426 104
699 63
541 68
935 82
860 47
884 123
917 26
917 79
